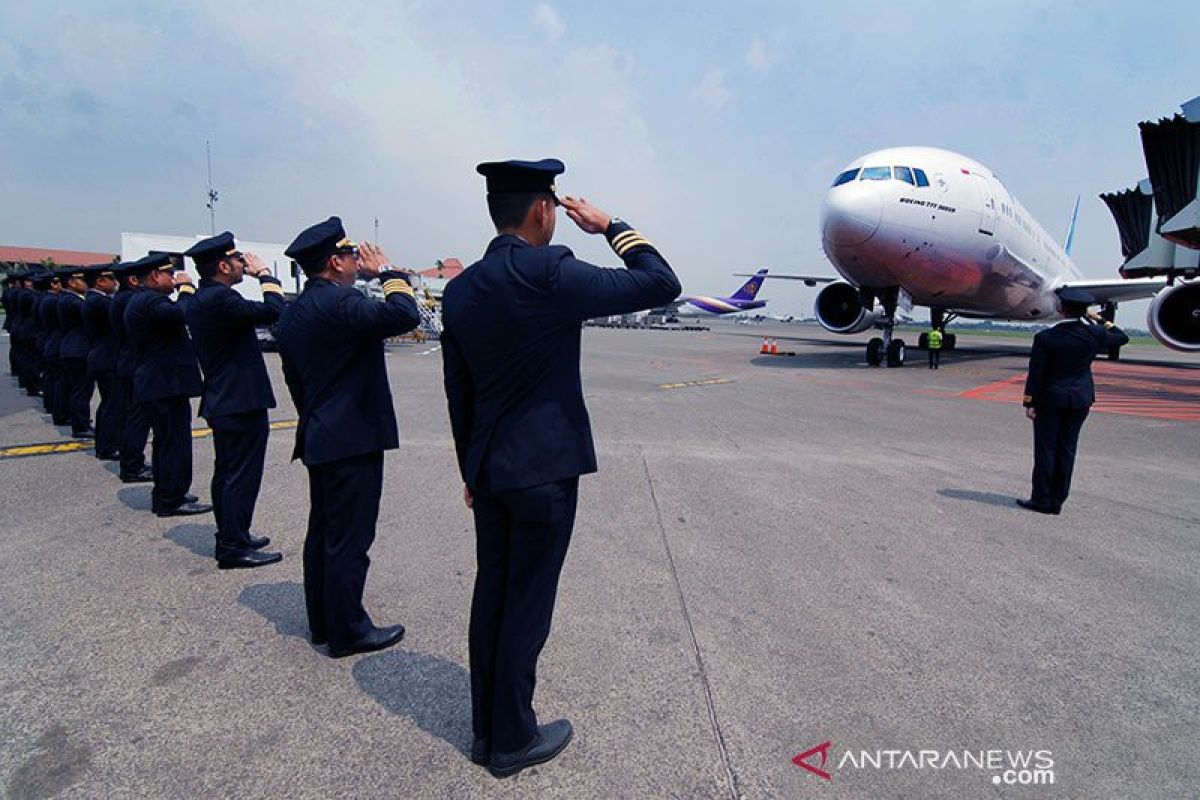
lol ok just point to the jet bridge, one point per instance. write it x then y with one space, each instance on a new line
1172 150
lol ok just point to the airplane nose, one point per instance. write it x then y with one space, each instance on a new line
851 214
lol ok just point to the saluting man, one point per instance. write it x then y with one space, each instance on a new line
102 359
73 353
237 391
511 349
165 379
53 380
135 425
331 339
1059 392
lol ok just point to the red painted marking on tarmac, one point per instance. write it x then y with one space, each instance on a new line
1134 389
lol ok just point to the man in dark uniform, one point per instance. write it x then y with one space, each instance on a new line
511 349
31 331
237 391
73 353
102 358
165 379
1059 392
22 299
331 339
49 340
11 282
135 425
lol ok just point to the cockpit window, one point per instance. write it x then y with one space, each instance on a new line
877 173
903 174
846 177
920 175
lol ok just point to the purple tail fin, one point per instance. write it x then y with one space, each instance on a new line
750 288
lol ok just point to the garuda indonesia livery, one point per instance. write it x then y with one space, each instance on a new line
922 226
741 300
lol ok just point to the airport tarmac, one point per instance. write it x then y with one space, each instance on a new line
778 552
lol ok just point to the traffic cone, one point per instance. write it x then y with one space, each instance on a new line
774 347
765 348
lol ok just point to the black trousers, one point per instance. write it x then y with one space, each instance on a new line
79 390
1055 438
110 414
171 422
52 389
521 540
32 365
341 527
240 442
135 429
935 358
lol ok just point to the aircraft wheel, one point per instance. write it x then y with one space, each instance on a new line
896 353
950 341
923 341
875 352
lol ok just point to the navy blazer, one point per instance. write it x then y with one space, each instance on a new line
97 326
9 306
223 326
1060 366
331 340
50 332
25 326
165 364
74 342
126 356
511 347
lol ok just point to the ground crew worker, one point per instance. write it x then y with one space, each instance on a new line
1059 392
331 340
935 348
511 358
237 391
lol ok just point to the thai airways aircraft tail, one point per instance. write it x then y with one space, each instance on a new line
750 288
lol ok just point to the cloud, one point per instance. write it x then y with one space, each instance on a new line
548 20
711 91
759 56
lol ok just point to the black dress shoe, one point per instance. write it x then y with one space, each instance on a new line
145 476
481 751
183 510
247 559
1032 506
114 456
88 434
550 740
190 498
378 639
257 542
318 639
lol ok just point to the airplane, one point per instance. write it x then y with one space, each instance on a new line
929 227
741 300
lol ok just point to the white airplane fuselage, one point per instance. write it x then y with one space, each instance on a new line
961 243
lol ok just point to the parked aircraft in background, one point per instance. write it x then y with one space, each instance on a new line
741 300
927 227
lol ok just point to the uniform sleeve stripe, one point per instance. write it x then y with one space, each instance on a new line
272 287
397 285
186 289
620 237
629 244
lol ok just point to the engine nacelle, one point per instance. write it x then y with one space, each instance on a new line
840 309
1174 317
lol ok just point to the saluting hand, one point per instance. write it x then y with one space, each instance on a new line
589 218
1031 412
255 267
371 260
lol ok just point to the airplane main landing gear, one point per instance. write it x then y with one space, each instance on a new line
875 352
895 353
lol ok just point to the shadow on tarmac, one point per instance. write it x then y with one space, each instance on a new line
987 498
432 692
200 539
282 604
136 497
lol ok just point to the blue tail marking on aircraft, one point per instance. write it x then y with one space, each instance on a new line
1071 229
750 288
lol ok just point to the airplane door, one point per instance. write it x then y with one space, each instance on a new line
988 211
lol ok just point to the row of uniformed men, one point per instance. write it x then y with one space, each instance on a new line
511 350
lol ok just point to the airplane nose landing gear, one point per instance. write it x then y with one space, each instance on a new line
894 350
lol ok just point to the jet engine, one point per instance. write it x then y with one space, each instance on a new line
1174 317
839 308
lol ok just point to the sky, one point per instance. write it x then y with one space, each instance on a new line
713 128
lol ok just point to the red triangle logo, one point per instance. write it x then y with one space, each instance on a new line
801 760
